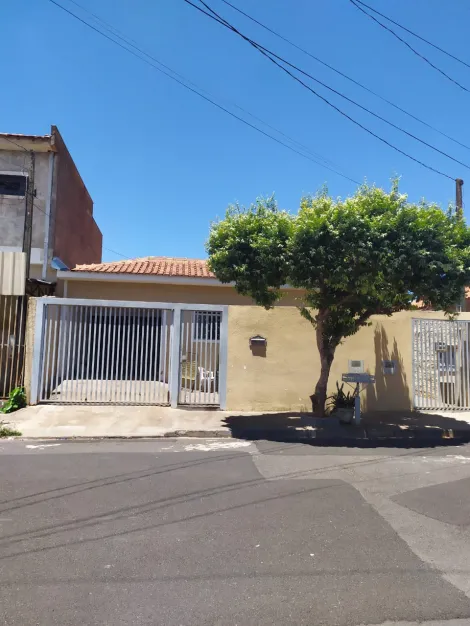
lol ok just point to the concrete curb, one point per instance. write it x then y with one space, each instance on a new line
359 437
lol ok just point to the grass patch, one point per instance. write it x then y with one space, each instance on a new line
6 431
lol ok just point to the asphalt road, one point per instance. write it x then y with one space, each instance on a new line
222 532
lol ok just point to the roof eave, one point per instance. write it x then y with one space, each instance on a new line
36 143
139 278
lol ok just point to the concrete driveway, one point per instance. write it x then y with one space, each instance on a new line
225 532
62 420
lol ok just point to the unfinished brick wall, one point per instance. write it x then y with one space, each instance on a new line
77 238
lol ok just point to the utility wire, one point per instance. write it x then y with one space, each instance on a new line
126 39
54 219
352 80
430 43
421 56
15 144
269 55
107 25
197 92
23 170
339 93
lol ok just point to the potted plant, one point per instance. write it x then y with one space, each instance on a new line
341 404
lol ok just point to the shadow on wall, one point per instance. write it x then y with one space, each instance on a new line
391 392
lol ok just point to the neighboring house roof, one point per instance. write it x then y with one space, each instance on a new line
419 304
152 266
20 136
15 142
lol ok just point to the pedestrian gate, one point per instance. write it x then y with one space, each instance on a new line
104 352
441 364
200 357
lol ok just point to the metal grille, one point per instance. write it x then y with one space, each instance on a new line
441 364
200 357
13 311
105 354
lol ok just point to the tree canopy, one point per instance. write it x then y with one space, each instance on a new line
373 252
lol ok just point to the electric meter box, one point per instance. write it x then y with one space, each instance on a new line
356 367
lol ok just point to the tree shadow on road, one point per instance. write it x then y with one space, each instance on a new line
403 429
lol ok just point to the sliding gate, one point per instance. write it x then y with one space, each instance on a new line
102 352
441 364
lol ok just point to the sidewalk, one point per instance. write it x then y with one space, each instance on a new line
51 421
416 429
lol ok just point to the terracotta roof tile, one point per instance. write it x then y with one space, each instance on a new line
153 266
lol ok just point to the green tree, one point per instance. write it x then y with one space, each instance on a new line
371 253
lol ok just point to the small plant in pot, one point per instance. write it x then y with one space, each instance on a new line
341 404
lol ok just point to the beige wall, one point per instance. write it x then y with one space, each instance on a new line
284 377
158 292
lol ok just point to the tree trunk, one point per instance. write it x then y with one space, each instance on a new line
327 354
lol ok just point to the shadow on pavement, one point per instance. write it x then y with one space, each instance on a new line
402 430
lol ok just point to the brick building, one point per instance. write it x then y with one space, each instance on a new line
63 223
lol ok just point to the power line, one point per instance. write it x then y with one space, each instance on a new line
269 55
110 28
15 144
338 92
430 43
421 56
340 73
201 95
54 219
107 25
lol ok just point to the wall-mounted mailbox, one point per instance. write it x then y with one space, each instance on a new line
258 342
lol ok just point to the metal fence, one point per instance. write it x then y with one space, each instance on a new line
13 310
441 364
200 357
105 354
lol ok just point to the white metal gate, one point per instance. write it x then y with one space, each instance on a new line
441 364
200 357
105 352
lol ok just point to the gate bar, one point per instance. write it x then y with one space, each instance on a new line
175 347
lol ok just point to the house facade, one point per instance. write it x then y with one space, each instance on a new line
166 331
63 222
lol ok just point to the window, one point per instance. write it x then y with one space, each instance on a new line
12 185
207 326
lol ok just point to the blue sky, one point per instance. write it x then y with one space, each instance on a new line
161 163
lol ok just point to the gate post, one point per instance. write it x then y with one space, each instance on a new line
36 349
175 343
223 358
